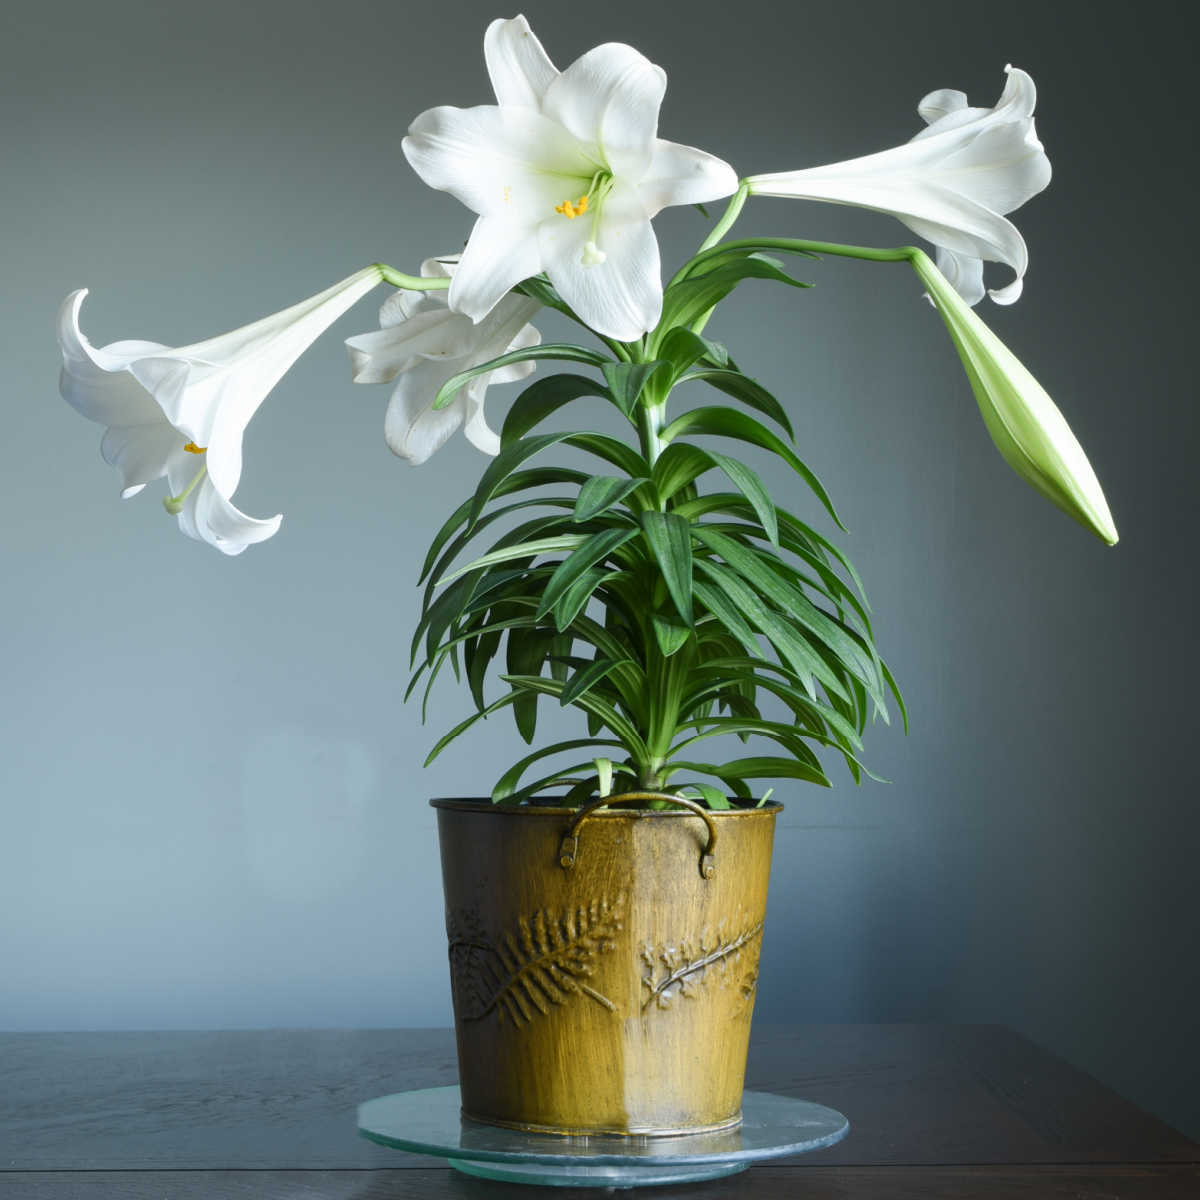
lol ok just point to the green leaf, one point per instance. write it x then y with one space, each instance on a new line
601 492
587 677
599 708
572 601
586 552
544 397
671 637
557 351
626 380
728 422
507 782
752 487
669 537
748 391
762 767
683 348
526 651
729 615
679 465
519 481
466 724
712 796
689 299
531 549
749 563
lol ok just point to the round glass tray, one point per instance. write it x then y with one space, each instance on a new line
430 1122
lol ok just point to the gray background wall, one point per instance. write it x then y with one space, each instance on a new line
213 808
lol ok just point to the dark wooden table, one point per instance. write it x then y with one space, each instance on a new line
962 1111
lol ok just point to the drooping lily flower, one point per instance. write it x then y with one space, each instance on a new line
421 344
181 411
951 184
1026 425
565 172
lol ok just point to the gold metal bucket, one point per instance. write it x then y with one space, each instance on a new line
603 962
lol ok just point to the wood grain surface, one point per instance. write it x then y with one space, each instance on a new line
936 1111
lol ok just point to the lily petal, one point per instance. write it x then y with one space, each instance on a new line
684 175
610 97
414 429
182 411
140 452
499 162
622 295
518 66
498 256
952 183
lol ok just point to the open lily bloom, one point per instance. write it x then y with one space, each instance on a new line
421 344
565 172
951 184
180 412
1026 425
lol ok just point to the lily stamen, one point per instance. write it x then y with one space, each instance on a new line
192 448
174 504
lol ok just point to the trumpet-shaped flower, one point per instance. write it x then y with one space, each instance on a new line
565 172
952 184
421 344
1026 425
181 411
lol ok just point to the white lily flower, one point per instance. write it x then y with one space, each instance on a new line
951 184
1026 425
565 172
421 344
181 411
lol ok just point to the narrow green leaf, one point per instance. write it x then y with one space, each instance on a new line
748 391
466 724
518 481
760 767
728 422
683 348
669 537
679 465
601 492
585 552
671 637
712 796
557 351
586 678
542 398
550 545
590 702
626 380
752 487
507 782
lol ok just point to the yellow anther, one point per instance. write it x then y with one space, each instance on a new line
571 211
192 448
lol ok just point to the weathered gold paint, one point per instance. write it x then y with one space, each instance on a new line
613 994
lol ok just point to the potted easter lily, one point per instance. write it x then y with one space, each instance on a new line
605 902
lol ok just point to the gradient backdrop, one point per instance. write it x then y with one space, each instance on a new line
213 803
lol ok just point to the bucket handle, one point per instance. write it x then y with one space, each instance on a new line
569 850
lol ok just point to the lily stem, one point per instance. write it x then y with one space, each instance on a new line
411 283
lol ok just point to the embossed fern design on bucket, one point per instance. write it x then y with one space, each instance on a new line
544 962
682 968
